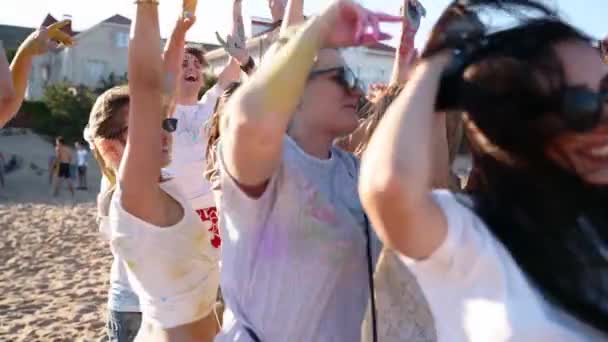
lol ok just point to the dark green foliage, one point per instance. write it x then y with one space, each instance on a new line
210 81
63 111
110 82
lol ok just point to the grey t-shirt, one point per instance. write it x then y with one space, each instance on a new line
294 261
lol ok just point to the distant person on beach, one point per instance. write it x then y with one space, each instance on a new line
64 159
13 82
2 162
7 91
82 162
52 168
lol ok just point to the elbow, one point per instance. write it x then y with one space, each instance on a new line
8 94
382 196
382 187
9 106
379 187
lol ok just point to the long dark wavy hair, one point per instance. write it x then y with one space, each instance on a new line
510 83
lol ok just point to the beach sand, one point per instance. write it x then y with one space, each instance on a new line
54 267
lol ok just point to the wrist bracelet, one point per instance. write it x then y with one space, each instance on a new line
249 66
141 2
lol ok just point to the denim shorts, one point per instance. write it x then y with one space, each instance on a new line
123 326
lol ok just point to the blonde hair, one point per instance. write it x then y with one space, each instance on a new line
106 121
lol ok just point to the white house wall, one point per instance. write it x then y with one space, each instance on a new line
371 66
98 46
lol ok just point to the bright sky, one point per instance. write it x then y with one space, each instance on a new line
214 15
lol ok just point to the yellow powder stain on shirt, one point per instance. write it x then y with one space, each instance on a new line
130 264
200 238
178 271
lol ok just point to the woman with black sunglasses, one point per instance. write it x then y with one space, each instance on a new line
295 256
154 232
524 258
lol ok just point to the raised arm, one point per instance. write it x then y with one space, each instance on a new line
173 54
259 112
36 44
406 54
7 92
235 45
294 14
139 173
397 168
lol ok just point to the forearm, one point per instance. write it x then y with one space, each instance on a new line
173 56
402 53
403 143
294 14
145 85
230 73
19 74
400 68
441 157
272 94
261 110
397 171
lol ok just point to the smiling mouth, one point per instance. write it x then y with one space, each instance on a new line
191 78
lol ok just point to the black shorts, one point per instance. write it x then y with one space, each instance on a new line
64 170
82 170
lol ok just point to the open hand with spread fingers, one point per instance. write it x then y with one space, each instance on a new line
347 23
235 47
39 42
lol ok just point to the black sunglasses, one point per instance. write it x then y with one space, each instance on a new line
345 78
583 109
170 125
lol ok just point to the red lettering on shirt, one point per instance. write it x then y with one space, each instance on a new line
210 215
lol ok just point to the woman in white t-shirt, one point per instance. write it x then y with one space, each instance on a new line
524 258
154 230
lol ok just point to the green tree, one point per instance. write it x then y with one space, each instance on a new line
68 111
10 54
110 82
210 81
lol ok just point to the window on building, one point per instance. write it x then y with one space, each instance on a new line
45 73
95 71
121 39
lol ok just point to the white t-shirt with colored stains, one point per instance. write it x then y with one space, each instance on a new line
188 158
294 261
174 270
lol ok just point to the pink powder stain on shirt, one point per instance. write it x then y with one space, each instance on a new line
316 207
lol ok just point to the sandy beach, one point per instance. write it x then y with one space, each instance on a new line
54 268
